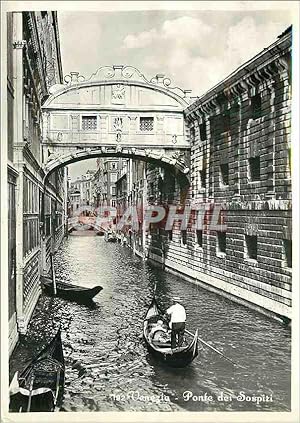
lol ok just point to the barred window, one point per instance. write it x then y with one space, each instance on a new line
225 122
203 178
203 131
199 235
146 124
89 123
256 108
251 244
254 168
192 135
221 242
224 170
184 237
287 245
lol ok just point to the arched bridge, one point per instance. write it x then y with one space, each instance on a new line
116 112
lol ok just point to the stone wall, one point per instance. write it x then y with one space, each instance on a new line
240 160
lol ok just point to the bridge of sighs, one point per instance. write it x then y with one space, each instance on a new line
116 112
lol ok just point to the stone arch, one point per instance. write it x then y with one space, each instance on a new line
116 101
176 163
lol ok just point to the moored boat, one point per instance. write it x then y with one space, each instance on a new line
40 386
69 291
160 344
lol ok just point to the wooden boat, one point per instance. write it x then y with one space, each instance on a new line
161 348
40 386
69 291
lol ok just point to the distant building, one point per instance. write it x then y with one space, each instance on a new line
81 192
105 180
131 192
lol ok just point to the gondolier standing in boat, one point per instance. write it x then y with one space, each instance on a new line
177 322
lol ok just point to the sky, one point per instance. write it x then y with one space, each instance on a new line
194 48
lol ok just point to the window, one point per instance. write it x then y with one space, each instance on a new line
203 178
287 246
289 159
256 111
254 168
221 239
203 131
225 122
89 123
224 170
183 237
251 246
146 124
151 189
199 236
192 135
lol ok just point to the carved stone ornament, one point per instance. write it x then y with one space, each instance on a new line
117 93
118 124
19 44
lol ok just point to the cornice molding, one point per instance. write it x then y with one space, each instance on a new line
262 68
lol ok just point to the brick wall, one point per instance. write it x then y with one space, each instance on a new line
240 159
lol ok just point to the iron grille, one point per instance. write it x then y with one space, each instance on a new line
146 124
89 123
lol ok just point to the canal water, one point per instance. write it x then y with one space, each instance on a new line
108 367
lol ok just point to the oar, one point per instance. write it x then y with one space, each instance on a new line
57 386
30 393
217 351
154 290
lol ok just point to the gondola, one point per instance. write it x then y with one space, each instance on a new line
71 292
178 357
110 237
40 386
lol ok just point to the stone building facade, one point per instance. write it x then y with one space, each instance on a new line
131 191
81 192
240 178
105 180
35 208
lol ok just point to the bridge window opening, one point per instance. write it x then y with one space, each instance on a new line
221 242
254 168
199 237
203 131
251 245
224 171
89 123
146 124
287 248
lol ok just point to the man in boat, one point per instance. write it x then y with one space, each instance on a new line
177 322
